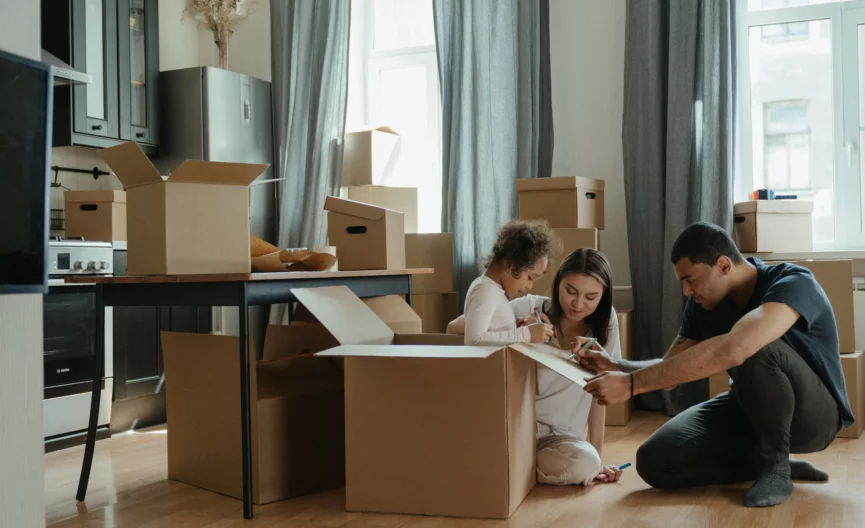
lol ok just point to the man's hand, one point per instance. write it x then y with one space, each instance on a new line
609 388
595 359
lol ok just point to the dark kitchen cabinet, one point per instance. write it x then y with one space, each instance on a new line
117 43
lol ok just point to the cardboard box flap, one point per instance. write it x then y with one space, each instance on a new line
411 351
352 208
392 309
344 315
196 171
559 183
130 164
552 357
774 206
94 196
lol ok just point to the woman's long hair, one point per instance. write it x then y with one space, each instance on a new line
593 263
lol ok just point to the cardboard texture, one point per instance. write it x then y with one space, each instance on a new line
565 201
620 414
392 310
431 250
773 226
569 240
471 452
297 419
369 156
719 384
366 237
195 222
436 310
859 319
854 376
402 199
96 215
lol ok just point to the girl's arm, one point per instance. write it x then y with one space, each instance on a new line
481 304
523 307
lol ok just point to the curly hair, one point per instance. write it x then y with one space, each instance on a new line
521 244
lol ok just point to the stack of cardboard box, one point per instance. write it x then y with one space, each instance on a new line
620 414
433 296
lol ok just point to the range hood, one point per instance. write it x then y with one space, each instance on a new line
63 73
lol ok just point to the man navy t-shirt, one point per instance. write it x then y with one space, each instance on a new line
814 336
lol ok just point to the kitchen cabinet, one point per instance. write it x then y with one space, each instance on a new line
117 43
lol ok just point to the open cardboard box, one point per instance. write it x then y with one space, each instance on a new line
433 429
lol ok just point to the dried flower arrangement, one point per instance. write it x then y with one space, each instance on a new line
220 17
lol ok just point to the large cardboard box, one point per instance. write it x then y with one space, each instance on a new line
568 240
433 430
565 201
854 376
366 237
369 156
431 250
402 199
96 215
436 310
767 226
195 222
620 414
297 418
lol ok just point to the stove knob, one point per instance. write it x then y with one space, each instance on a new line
92 266
103 265
78 266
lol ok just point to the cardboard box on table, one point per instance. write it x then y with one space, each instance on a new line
96 215
569 239
366 237
620 414
195 222
853 366
297 414
401 199
369 156
431 250
564 201
767 226
433 430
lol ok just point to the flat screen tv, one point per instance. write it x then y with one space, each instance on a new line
26 97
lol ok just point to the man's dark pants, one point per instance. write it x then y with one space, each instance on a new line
778 406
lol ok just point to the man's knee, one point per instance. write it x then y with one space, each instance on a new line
568 463
653 464
767 358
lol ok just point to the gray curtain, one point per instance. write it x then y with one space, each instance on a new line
489 58
310 40
677 136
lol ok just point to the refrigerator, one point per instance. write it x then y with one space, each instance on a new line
217 115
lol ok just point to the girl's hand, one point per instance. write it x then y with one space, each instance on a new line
540 332
609 474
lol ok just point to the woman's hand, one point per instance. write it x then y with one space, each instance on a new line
595 358
540 332
609 474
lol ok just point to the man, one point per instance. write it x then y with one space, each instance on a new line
772 328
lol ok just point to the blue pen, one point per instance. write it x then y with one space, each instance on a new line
624 466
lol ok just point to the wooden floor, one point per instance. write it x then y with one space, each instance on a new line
129 489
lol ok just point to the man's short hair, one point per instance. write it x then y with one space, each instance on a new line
704 243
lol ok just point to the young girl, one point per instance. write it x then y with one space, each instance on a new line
520 255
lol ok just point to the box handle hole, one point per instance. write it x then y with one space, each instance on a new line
88 207
590 196
739 219
356 230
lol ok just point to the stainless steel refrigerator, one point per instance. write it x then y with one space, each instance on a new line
217 115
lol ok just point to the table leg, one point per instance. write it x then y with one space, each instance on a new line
95 397
245 416
408 295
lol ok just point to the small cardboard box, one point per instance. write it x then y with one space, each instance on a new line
620 414
854 377
836 279
402 199
195 222
436 310
431 250
369 156
297 418
719 384
765 226
565 201
433 430
96 215
366 237
569 240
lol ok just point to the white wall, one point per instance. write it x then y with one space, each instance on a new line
587 49
22 473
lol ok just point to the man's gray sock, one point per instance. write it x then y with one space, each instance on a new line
773 487
804 470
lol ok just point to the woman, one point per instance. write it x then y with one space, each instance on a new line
570 424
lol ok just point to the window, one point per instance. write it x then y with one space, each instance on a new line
801 120
393 81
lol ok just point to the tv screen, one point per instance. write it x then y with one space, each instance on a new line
26 95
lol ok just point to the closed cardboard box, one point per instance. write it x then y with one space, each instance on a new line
620 414
402 199
436 310
366 237
470 452
568 241
195 222
369 156
565 201
96 215
765 226
297 419
431 250
854 377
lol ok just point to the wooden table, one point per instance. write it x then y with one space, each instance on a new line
240 289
